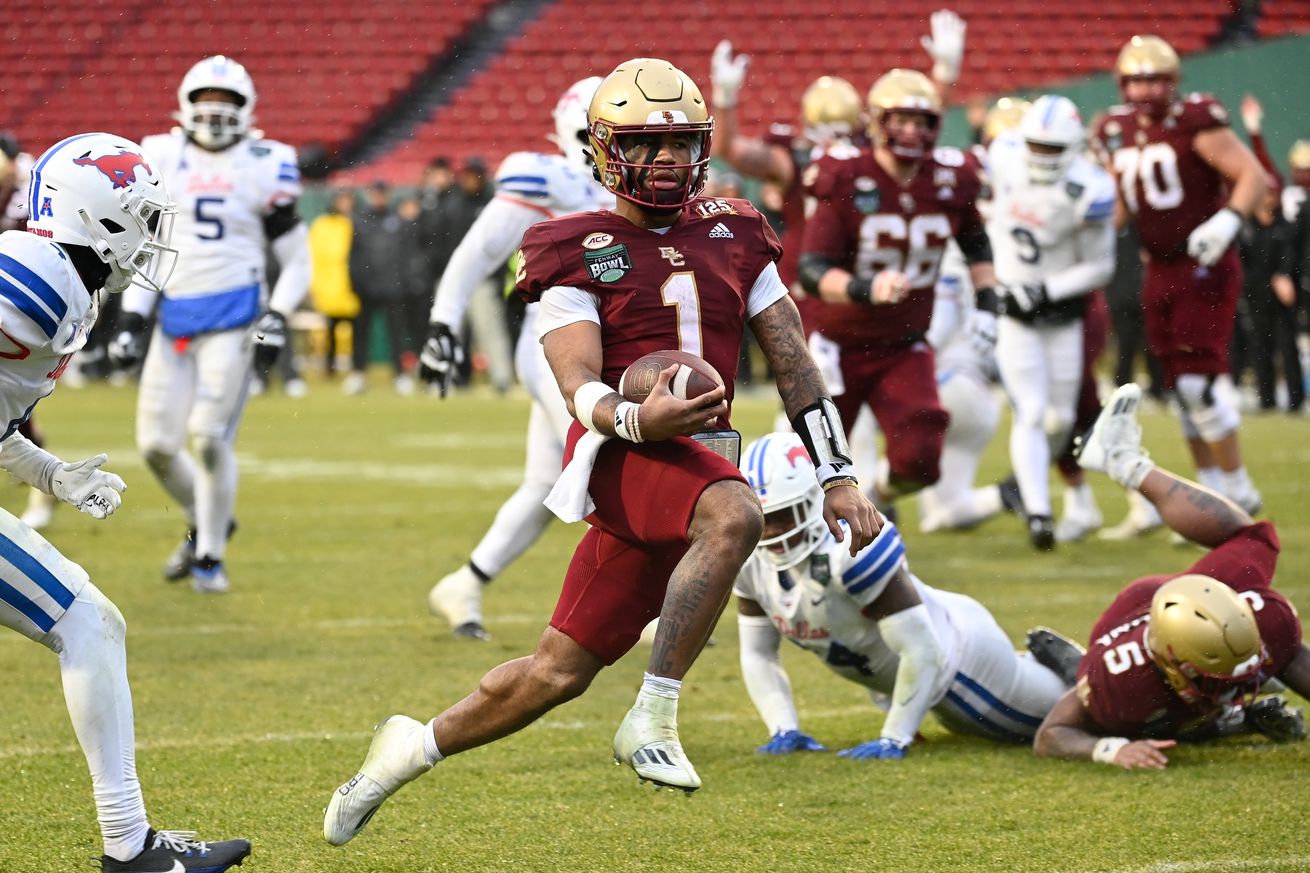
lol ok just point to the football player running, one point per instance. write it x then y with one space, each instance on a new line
1180 656
100 219
530 187
871 253
1190 183
1052 232
872 621
237 196
672 521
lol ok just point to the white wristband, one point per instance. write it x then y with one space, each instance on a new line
1106 748
627 421
585 400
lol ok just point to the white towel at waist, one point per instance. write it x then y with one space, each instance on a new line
569 499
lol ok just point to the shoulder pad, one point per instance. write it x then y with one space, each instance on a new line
948 156
544 180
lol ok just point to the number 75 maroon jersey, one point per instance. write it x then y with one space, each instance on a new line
1118 683
683 289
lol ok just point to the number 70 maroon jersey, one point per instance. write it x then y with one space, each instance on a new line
683 289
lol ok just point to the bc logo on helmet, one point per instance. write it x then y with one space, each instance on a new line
120 168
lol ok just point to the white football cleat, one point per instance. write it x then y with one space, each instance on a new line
395 758
1114 444
647 741
40 510
458 598
1081 515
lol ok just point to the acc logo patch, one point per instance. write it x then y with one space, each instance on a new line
597 240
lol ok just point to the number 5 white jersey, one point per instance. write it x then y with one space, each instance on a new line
222 200
1035 229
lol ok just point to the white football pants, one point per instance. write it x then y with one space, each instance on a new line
196 389
1042 369
522 518
953 501
997 692
49 599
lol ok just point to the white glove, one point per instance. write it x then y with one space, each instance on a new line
1213 236
945 46
726 74
86 486
982 332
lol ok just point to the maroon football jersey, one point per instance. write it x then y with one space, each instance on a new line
1119 684
866 222
793 199
1163 180
683 289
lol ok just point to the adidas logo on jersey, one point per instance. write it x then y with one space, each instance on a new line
720 231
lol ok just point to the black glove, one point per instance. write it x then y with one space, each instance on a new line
441 356
128 346
1026 299
270 338
1276 720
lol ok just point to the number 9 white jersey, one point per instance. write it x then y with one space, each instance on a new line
1034 229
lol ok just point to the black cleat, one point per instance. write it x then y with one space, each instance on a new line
472 630
1011 500
179 851
1041 532
179 564
1055 652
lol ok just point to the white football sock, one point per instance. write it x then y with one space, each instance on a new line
1211 477
89 640
1030 456
1236 483
216 495
660 686
431 753
519 522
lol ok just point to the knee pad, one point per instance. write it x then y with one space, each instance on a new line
211 450
157 459
1208 402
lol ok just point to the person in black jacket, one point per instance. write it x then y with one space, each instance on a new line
1265 243
377 273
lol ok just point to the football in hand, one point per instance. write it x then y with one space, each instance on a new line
695 376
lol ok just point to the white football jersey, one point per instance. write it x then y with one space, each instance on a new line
1033 227
817 604
550 182
46 313
222 199
948 331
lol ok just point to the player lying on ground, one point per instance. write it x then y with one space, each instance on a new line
873 622
1180 656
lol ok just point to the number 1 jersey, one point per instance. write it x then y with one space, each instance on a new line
685 288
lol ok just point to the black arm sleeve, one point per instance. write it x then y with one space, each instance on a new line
810 270
976 247
280 220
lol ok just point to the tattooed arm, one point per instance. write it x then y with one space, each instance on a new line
1199 514
778 331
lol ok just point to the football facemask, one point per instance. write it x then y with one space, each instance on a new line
644 102
215 124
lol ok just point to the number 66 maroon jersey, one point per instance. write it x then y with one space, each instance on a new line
686 288
867 222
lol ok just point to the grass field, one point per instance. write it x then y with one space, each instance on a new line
252 708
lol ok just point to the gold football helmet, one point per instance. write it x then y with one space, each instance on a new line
1203 636
641 98
1299 160
1147 57
1004 115
831 108
902 91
